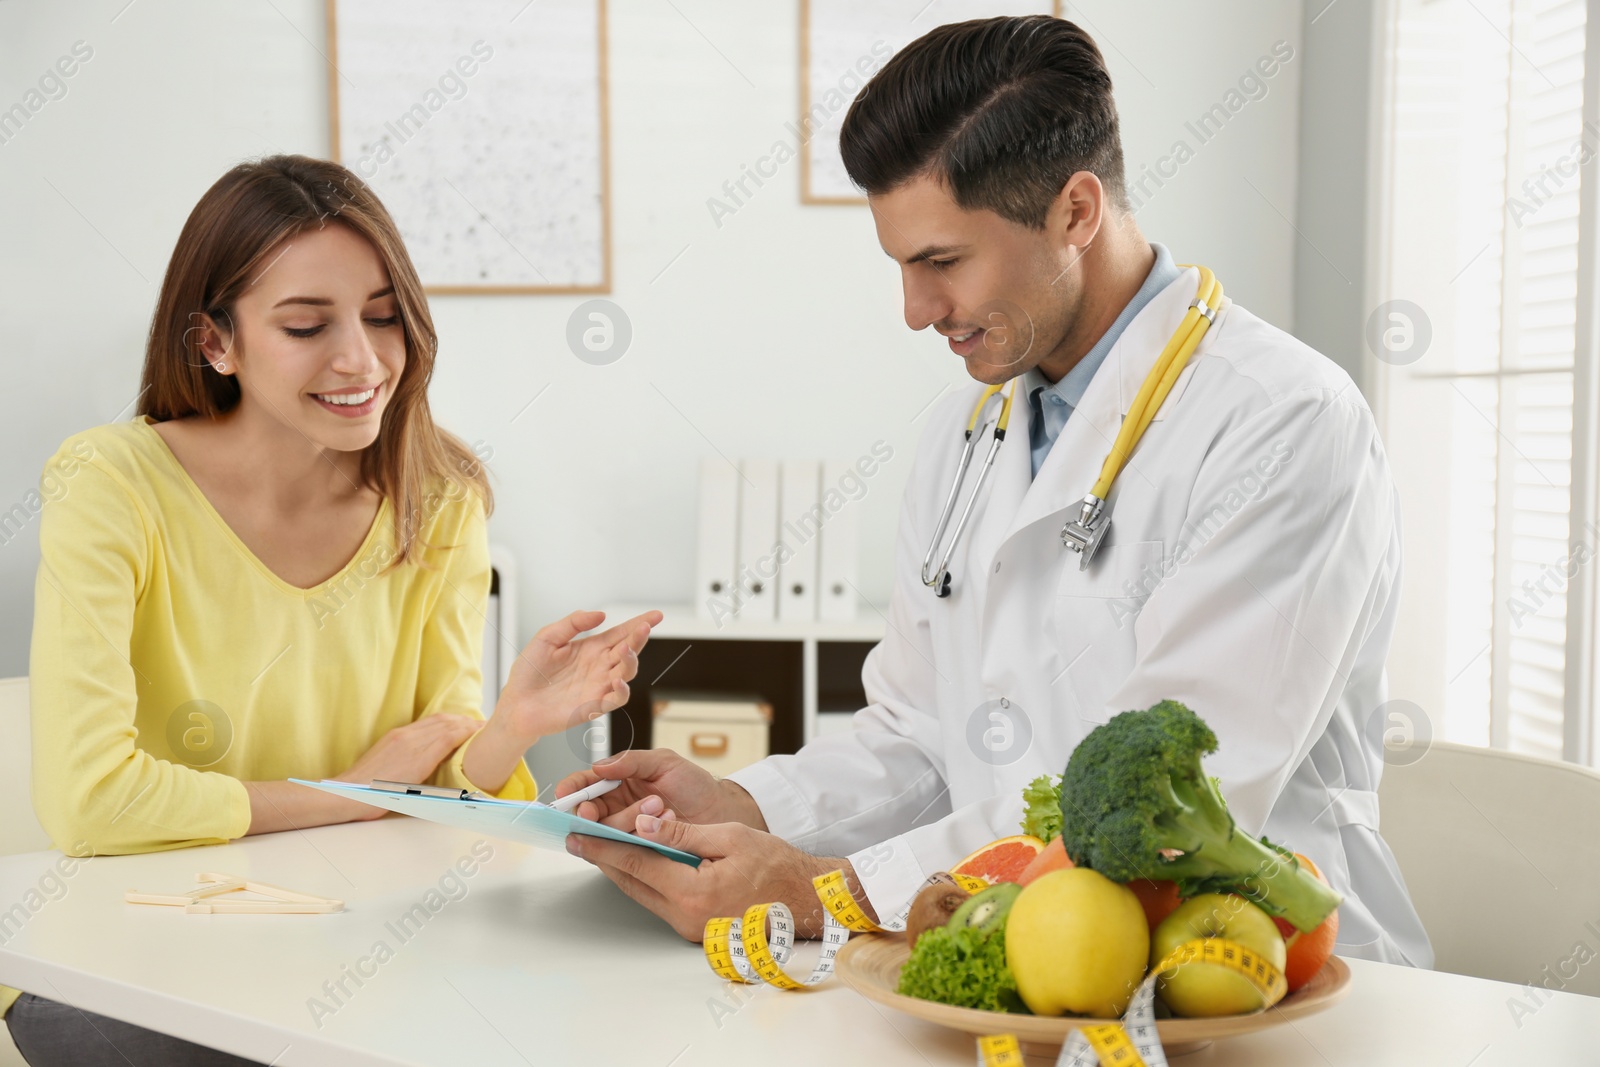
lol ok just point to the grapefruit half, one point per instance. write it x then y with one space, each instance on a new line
1003 860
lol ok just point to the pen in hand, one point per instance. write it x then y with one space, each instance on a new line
570 802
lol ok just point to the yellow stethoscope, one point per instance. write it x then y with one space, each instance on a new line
1085 533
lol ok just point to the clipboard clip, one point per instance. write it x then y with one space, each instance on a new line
411 789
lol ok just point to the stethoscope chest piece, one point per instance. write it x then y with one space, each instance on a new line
1085 533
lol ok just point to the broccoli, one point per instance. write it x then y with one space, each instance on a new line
1042 808
1135 804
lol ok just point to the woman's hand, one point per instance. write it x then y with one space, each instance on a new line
560 681
557 681
660 782
409 753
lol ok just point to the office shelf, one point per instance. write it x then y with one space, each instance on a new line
803 669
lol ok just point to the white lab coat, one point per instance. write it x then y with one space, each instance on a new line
1252 572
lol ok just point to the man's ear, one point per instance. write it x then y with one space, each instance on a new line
1076 214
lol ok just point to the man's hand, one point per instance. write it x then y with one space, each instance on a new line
741 866
657 781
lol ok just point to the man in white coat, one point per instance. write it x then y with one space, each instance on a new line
1252 571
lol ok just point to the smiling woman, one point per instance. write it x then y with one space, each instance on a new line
184 663
295 260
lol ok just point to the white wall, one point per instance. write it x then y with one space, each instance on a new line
1340 102
779 334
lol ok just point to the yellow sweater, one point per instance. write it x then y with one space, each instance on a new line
169 664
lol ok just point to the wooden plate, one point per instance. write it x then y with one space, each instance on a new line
871 964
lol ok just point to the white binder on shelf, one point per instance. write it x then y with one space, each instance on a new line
500 647
717 563
799 528
836 570
758 540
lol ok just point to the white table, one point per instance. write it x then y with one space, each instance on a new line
544 961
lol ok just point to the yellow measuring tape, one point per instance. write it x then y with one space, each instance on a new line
755 946
1135 1041
834 893
742 950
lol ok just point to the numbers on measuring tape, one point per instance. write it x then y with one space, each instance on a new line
839 903
1133 1042
1267 979
1113 1046
999 1050
834 892
742 949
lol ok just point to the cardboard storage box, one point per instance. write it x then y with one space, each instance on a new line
719 732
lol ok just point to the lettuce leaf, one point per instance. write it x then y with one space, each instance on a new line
1041 816
961 966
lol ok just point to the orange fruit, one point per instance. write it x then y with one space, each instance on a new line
1160 898
1003 860
1053 858
1307 951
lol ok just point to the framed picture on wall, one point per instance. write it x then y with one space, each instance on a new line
482 125
842 44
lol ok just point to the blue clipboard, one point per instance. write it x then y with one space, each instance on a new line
513 820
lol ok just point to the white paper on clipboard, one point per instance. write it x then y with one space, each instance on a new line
512 820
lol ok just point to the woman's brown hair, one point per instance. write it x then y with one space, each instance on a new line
248 212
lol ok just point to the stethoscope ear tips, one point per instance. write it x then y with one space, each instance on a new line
944 585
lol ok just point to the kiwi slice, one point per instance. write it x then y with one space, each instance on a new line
987 910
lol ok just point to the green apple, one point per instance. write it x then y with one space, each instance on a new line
1208 989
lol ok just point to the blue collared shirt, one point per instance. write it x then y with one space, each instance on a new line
1052 404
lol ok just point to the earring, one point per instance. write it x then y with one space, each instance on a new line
221 366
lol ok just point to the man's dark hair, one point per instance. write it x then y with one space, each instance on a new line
1002 111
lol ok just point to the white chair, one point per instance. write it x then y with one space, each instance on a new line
19 828
1501 854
